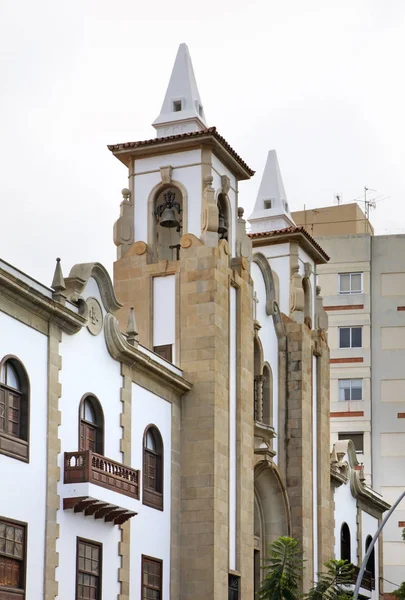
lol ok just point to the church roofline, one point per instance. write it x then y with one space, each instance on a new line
125 150
296 233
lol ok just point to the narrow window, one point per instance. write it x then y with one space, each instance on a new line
151 578
12 560
350 337
14 409
371 561
268 203
153 468
233 587
177 106
88 575
357 439
350 389
345 551
350 283
91 436
164 351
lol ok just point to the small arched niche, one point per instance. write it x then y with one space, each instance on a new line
267 395
224 217
345 543
168 216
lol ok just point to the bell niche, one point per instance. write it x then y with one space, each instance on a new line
223 217
168 216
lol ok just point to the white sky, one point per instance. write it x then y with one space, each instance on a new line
320 81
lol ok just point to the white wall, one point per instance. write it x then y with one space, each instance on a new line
269 340
164 311
25 499
150 529
87 367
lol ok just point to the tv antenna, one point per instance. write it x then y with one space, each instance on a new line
337 199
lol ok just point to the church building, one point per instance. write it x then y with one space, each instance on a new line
161 429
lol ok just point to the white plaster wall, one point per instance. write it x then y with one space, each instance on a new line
164 311
345 512
150 529
186 170
88 368
269 340
369 525
26 492
281 266
232 431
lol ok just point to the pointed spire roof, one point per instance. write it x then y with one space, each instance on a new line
271 210
182 110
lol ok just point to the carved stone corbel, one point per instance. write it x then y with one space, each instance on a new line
297 297
209 215
225 184
166 174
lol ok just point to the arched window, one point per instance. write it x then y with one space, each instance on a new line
267 395
371 561
223 217
91 430
153 468
345 552
258 381
14 408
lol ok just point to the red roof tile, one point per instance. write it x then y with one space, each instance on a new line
292 229
209 131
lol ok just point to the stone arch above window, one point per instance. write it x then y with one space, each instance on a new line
271 281
153 468
91 425
14 408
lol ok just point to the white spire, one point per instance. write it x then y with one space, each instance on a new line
271 210
182 109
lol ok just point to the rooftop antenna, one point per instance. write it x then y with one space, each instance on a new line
367 205
337 199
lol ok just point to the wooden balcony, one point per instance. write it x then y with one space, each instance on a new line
368 581
91 469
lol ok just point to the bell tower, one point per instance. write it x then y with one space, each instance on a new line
183 262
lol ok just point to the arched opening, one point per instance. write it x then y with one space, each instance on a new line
168 223
223 217
153 468
258 543
345 550
258 381
91 429
306 284
14 407
267 395
371 561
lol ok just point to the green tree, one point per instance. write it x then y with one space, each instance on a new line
332 583
284 570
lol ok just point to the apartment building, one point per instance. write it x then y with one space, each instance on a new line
363 289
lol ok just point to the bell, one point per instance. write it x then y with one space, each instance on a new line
168 218
222 228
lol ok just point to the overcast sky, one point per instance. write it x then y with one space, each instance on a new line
320 81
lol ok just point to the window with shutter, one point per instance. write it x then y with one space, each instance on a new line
12 560
14 409
153 468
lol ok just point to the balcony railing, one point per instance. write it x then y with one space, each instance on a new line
368 581
87 466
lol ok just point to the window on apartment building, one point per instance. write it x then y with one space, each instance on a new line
357 439
151 578
153 468
233 587
350 389
12 560
91 430
350 337
14 408
88 575
350 283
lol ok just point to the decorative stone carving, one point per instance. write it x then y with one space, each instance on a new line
321 316
297 298
124 226
95 316
58 284
243 241
225 184
307 269
166 174
209 216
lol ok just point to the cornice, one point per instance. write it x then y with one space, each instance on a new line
48 309
123 351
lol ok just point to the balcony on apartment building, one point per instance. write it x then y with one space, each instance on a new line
96 485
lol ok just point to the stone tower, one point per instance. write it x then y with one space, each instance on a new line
183 263
240 317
